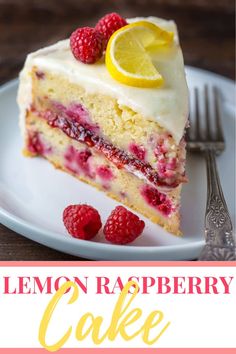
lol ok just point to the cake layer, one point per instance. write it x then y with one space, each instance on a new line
127 141
125 129
168 105
91 166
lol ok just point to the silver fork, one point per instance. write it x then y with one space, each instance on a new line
219 239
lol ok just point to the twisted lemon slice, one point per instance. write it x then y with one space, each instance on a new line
127 56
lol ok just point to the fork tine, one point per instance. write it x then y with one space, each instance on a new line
219 131
207 113
212 138
197 114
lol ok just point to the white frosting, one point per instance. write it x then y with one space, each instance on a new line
167 105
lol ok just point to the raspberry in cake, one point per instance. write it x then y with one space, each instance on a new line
127 141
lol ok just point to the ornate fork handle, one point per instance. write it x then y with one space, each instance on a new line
220 242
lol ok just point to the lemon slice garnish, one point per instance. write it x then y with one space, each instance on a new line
128 59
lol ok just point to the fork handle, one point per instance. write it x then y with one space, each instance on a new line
218 225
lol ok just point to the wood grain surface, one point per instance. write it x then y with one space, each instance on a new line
206 29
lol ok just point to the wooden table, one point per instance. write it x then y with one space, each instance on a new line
207 37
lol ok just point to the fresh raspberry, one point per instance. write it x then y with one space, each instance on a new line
87 44
122 226
110 23
82 221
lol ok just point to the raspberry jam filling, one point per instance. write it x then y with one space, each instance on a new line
157 200
76 113
84 132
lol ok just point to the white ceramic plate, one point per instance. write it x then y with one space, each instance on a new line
33 194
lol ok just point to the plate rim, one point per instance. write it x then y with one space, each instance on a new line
106 251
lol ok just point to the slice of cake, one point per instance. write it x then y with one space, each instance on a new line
125 140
